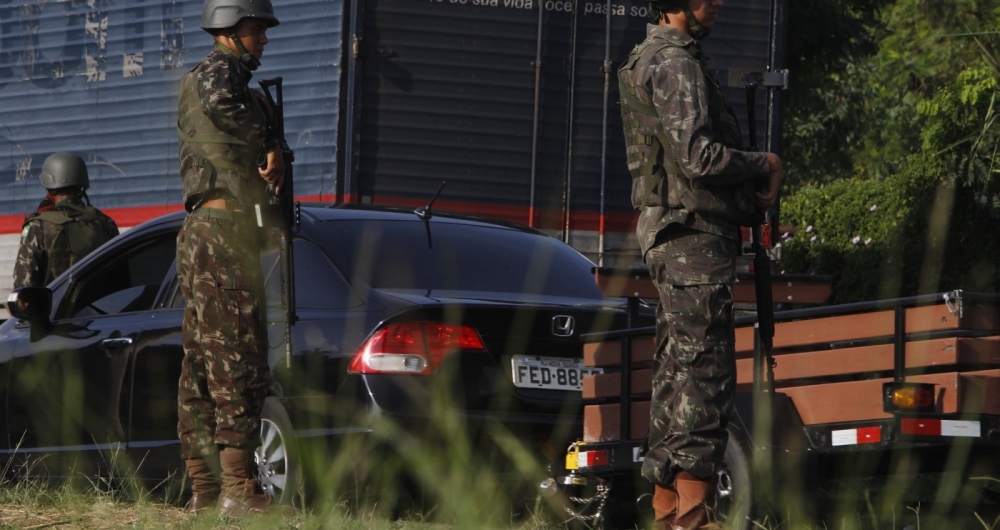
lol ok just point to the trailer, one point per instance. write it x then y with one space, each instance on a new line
892 383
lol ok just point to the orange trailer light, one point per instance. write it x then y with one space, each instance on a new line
908 397
912 398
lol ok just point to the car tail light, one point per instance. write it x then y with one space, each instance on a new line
413 348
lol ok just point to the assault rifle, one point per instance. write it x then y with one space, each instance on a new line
761 244
286 210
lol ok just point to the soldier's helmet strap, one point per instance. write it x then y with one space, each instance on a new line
248 60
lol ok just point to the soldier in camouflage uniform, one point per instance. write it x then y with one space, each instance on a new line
65 228
695 185
228 155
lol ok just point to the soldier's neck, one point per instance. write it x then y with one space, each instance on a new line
56 199
677 21
222 47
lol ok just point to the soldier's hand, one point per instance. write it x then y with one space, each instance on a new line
274 173
264 104
767 199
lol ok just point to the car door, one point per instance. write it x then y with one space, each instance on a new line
67 396
159 351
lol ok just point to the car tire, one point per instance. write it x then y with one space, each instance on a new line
735 489
278 464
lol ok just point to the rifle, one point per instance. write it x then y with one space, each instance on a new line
761 243
287 212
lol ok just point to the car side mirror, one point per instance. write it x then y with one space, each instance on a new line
33 304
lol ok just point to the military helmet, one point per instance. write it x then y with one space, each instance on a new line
62 170
664 5
223 14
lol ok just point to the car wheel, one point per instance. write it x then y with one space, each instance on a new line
734 492
278 465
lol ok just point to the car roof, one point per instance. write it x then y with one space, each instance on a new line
351 211
324 211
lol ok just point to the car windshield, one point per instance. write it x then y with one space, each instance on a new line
449 256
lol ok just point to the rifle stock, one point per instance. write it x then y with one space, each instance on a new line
287 213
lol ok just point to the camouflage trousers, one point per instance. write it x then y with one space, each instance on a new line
224 375
694 373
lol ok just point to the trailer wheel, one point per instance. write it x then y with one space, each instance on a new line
734 492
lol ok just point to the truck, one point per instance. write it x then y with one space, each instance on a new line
509 101
878 390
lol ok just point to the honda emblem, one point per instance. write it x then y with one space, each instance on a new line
563 325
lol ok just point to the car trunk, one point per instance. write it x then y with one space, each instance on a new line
543 333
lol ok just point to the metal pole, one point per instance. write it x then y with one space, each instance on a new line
352 134
534 127
899 345
625 425
604 131
776 62
570 115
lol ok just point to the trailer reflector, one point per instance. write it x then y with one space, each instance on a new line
864 435
928 427
592 458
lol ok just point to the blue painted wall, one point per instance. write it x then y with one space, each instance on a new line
100 77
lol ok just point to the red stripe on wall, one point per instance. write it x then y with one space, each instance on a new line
545 219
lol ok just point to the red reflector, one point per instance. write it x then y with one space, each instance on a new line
594 458
413 347
919 427
869 435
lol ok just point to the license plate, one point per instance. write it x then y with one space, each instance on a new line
555 373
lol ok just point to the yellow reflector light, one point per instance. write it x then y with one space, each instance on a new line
912 398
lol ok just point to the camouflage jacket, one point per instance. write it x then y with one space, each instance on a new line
46 248
703 152
223 132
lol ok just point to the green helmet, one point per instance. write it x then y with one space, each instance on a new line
223 14
62 170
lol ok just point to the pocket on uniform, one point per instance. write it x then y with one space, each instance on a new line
243 324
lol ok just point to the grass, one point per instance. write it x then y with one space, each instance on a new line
30 505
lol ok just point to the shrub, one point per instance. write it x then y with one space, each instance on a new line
914 232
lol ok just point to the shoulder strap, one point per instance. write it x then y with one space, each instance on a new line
628 92
51 216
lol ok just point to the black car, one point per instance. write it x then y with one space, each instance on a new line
388 302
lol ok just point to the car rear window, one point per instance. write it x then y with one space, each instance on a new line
454 256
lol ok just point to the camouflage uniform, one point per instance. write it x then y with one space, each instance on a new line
224 375
46 247
694 185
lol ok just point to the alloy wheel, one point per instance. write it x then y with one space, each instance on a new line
271 457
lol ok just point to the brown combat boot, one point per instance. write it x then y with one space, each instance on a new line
205 486
241 493
664 508
695 497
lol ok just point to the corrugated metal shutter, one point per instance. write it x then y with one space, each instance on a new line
100 79
448 92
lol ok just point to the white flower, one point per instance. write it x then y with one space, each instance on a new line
809 229
869 240
786 235
813 238
856 240
873 208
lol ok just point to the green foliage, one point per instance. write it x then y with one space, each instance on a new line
907 121
863 112
910 233
827 42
